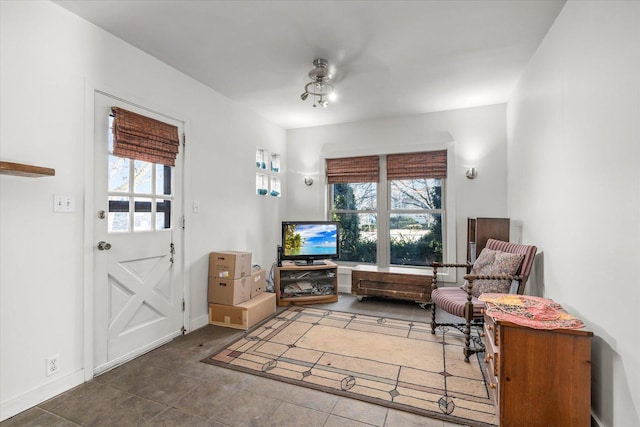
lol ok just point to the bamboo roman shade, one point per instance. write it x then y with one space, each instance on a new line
353 169
428 164
142 138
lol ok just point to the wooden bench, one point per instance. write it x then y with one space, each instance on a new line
413 284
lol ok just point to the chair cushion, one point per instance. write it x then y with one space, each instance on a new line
453 300
491 263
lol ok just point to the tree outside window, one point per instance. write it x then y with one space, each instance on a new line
413 213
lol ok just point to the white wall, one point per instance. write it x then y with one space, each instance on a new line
573 151
47 56
479 140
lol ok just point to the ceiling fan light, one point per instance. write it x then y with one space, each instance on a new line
320 85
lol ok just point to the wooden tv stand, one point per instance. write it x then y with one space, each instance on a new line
413 284
306 284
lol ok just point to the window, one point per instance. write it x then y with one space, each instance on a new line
144 186
391 208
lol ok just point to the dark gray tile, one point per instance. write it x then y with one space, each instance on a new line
36 417
289 415
405 419
133 411
81 403
206 338
229 377
247 409
170 358
336 421
98 404
172 417
297 395
208 400
169 388
133 376
363 412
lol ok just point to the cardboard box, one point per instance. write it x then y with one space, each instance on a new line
230 264
258 282
245 315
229 291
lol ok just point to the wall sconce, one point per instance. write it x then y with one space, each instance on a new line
472 173
308 180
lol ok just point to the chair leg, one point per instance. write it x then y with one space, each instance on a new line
433 319
467 341
468 317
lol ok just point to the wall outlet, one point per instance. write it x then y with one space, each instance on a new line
53 364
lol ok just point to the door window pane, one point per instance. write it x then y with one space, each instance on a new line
142 214
163 180
118 218
143 172
163 214
118 174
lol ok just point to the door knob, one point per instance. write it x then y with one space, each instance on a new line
104 246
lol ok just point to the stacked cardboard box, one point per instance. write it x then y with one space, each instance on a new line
236 291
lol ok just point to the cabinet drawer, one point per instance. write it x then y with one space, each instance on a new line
491 369
492 359
491 331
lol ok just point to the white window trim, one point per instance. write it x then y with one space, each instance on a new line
448 275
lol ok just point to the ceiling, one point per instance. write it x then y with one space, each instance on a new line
390 58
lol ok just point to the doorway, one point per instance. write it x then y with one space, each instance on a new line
138 287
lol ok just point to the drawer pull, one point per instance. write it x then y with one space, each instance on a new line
487 358
492 385
490 327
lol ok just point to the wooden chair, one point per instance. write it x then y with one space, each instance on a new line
462 303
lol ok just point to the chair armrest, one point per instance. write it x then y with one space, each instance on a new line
436 265
471 277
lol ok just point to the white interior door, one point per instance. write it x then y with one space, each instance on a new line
138 294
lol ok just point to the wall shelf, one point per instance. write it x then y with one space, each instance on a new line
20 169
268 175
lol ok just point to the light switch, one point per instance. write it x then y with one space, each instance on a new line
63 203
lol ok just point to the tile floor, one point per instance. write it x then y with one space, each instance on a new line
169 386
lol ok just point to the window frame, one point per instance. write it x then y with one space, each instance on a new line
383 214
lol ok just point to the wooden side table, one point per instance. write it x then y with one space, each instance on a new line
538 377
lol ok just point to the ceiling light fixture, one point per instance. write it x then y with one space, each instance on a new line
320 86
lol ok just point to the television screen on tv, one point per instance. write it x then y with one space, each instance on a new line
309 241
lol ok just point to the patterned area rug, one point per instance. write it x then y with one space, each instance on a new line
393 363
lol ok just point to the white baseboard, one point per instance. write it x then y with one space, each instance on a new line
198 322
15 405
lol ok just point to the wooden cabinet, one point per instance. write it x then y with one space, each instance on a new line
538 377
479 230
413 284
306 284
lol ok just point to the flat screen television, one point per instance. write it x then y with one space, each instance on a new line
309 242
